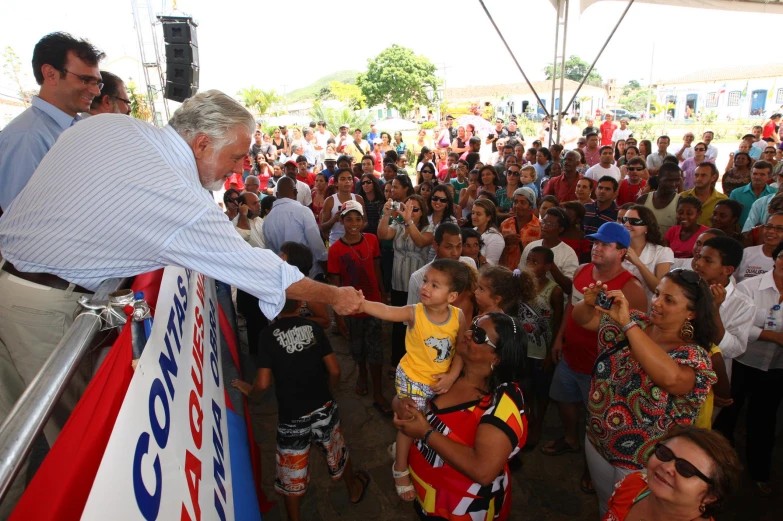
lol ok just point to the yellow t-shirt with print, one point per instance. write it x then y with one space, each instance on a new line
429 346
704 420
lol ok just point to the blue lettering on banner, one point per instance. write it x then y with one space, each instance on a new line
213 354
161 433
168 364
217 460
149 504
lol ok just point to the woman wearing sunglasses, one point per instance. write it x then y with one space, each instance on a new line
441 210
689 475
647 258
231 203
632 186
472 430
689 165
653 372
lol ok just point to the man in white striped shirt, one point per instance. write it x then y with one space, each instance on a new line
153 210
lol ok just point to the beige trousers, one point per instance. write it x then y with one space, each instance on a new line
33 319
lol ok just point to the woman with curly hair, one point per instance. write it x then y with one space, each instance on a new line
653 372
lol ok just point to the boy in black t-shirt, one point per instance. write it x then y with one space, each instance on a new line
298 354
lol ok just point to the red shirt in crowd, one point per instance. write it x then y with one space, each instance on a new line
607 130
355 264
561 188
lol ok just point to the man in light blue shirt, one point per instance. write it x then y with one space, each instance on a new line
67 71
309 150
290 221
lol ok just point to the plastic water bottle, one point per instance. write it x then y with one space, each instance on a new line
773 318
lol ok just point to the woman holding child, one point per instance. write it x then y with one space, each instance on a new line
466 436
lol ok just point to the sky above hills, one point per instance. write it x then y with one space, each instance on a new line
281 46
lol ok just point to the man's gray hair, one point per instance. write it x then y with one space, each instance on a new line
212 113
297 147
252 179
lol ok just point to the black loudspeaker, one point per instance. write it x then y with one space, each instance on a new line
182 62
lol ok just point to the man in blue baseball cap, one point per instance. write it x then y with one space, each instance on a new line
575 349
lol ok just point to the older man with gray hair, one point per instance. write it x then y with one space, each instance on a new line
60 244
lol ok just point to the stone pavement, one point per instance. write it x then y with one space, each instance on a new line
544 488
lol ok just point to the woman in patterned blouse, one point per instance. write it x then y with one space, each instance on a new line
652 372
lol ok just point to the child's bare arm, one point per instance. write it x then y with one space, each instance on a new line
262 382
333 368
390 313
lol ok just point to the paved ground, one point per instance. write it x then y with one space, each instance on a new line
544 488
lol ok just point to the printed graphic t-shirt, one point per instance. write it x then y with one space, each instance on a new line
293 348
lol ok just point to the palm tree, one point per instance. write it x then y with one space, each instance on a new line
258 100
336 117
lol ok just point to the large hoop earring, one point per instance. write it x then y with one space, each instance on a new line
702 508
686 331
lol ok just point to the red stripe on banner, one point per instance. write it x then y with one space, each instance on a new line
255 453
60 488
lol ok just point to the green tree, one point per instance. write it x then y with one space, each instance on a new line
575 69
140 105
349 94
336 117
635 100
258 100
13 69
399 78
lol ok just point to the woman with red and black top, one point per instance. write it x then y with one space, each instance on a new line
653 372
466 436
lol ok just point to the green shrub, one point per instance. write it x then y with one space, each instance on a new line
427 125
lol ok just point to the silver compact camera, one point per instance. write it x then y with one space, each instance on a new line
396 205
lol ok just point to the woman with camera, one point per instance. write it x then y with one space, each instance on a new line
653 372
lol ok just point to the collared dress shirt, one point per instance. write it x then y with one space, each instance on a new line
24 142
746 196
759 213
737 313
116 197
760 354
290 221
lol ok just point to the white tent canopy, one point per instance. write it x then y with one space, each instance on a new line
751 6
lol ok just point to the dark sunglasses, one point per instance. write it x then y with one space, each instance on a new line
436 199
415 210
689 276
633 221
512 172
479 336
700 149
428 172
684 467
232 200
635 168
367 182
581 142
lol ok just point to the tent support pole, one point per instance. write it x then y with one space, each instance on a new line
540 103
608 39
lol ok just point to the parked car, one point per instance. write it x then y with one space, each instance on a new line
622 113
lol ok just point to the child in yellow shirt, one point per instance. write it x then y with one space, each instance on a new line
429 366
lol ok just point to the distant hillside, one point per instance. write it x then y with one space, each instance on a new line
314 88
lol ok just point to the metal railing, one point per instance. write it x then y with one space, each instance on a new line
31 412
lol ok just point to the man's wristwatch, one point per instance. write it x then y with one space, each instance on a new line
629 325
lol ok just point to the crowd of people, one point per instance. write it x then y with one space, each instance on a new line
630 275
598 273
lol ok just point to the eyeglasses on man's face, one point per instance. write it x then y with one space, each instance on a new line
88 81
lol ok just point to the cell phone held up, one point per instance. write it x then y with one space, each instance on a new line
602 301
